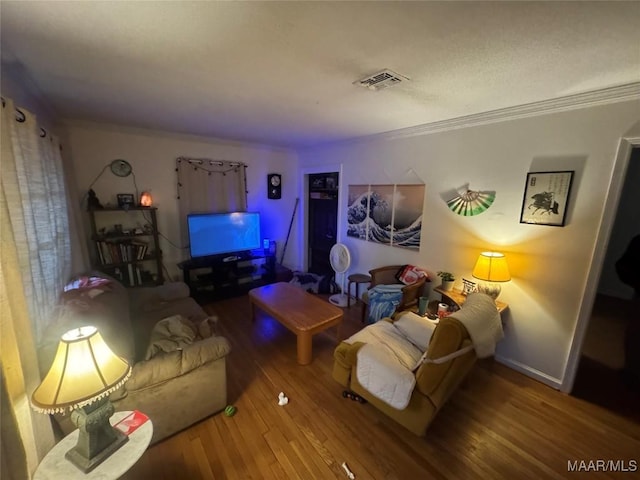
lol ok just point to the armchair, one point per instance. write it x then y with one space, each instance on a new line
387 276
408 368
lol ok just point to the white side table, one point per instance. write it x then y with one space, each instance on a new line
54 466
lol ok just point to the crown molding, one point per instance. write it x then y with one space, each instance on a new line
620 93
166 134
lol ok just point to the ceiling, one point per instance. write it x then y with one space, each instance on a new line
282 73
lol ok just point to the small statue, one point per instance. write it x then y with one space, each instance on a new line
92 202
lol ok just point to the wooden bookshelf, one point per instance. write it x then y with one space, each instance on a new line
126 245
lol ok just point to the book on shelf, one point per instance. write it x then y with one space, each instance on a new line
131 278
131 275
139 249
100 254
110 252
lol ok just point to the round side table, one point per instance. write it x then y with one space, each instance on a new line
55 466
356 278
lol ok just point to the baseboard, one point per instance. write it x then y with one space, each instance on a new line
530 372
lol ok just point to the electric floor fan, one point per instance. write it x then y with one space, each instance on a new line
340 259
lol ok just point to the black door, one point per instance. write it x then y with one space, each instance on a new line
323 220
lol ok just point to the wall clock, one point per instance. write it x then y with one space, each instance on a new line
274 186
121 168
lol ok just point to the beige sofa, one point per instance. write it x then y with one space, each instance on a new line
174 388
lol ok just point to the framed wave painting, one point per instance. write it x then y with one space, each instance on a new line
386 214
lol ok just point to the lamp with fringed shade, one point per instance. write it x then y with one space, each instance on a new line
492 268
83 374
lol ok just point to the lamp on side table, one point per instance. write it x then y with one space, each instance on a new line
83 374
492 268
54 466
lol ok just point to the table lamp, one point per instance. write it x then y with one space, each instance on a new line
491 267
83 374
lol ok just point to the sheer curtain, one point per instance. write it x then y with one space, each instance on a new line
34 191
206 185
35 263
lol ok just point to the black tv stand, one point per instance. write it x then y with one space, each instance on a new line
212 278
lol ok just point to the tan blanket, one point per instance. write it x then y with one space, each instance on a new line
480 317
170 334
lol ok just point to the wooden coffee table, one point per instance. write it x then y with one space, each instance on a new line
302 313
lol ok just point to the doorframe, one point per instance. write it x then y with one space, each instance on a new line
303 219
614 193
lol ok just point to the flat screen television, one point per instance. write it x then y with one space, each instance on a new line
217 234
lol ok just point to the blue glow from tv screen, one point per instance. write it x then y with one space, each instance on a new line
220 233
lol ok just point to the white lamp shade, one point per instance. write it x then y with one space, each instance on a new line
492 267
83 371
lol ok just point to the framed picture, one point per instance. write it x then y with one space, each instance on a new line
125 200
317 182
468 286
546 197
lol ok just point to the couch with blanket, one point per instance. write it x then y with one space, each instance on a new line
408 367
178 362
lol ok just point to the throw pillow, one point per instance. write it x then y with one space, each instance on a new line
410 274
416 329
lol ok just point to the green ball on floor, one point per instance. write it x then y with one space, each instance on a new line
230 411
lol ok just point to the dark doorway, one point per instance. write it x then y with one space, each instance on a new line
603 376
323 220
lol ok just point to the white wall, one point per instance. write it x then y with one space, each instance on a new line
549 265
153 158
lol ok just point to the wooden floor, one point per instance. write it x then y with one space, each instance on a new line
499 424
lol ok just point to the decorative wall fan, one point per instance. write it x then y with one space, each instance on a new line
470 202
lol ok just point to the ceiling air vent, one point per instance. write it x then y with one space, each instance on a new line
380 80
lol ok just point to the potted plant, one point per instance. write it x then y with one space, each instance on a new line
448 280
